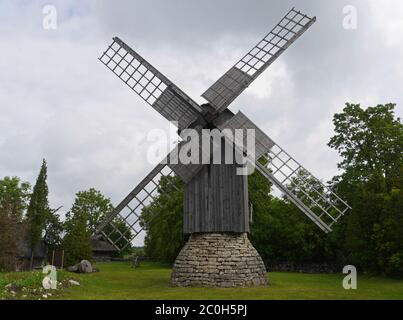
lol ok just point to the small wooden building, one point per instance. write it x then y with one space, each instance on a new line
102 250
39 256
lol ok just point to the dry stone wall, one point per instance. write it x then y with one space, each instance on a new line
219 260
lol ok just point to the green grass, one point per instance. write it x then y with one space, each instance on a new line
119 280
28 285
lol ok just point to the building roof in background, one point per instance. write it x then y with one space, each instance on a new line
102 246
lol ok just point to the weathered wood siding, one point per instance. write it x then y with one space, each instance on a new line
216 200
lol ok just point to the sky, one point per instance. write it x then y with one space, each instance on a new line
58 102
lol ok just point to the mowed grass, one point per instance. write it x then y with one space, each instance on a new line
118 280
28 285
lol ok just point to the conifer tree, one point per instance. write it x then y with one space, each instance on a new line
38 210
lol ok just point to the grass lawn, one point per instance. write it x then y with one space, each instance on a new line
118 280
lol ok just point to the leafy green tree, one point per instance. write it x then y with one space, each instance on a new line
392 218
10 240
375 228
14 196
90 205
280 232
53 231
77 241
38 210
370 143
162 219
13 201
260 199
89 208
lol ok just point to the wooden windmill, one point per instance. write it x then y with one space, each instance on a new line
216 213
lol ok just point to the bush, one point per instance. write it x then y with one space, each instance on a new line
396 265
77 244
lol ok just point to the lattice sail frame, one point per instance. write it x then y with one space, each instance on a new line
302 188
262 55
150 84
129 210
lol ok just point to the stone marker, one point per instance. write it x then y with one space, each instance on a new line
74 283
85 266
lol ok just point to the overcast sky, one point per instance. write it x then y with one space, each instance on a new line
58 102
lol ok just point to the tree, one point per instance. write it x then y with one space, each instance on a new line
374 236
13 202
14 196
370 143
53 230
280 232
10 240
77 241
38 210
88 209
90 205
259 197
162 219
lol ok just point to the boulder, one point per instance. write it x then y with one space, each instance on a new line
73 268
85 266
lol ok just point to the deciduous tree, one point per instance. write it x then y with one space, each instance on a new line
13 201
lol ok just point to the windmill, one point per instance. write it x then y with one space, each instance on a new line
216 213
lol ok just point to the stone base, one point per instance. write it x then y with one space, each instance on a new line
218 260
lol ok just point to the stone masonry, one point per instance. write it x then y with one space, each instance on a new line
218 260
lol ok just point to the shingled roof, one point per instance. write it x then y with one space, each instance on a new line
102 246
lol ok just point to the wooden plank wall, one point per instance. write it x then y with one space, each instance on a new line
216 200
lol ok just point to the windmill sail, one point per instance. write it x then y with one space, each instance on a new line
130 209
239 77
309 194
239 121
150 84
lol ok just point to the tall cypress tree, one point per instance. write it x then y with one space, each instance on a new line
38 210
